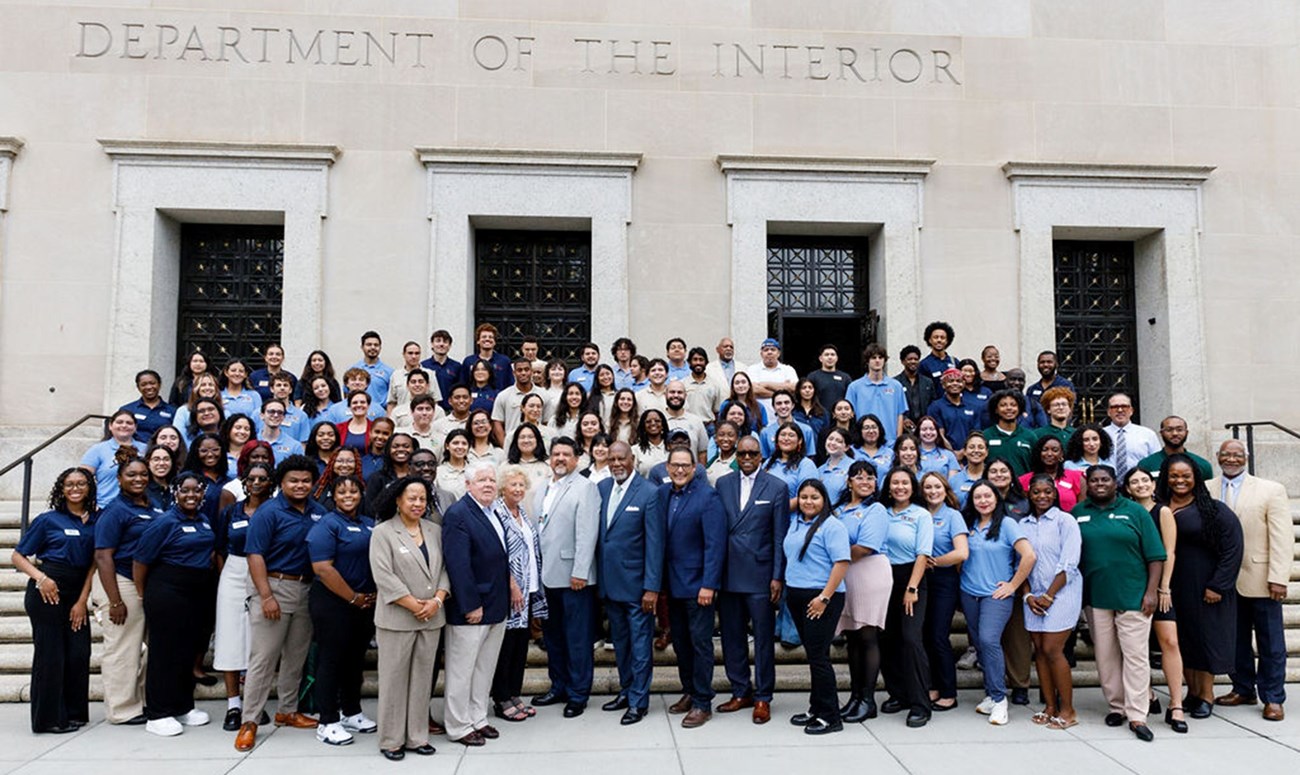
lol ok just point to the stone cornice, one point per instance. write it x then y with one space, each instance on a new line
1128 173
824 165
518 157
220 151
10 146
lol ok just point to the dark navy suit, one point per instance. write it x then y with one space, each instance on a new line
755 532
695 553
631 562
477 564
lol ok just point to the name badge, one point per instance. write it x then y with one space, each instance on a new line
353 529
969 412
71 531
144 516
837 378
1083 518
239 524
1066 485
1119 516
761 503
189 529
139 417
262 383
995 442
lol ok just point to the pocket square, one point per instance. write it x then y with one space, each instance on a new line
761 503
632 508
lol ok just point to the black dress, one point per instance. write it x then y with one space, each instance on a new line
1207 633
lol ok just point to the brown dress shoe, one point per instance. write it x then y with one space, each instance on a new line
736 703
1232 700
296 720
488 731
472 739
681 706
762 712
696 718
662 642
247 737
435 728
1273 711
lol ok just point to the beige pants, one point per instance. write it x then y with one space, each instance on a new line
1123 664
1017 649
123 663
471 660
284 641
405 678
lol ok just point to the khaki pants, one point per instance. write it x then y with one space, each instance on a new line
285 641
472 651
1123 663
1017 648
405 678
123 664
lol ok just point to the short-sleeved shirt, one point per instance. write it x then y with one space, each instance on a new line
934 368
961 482
175 539
939 460
380 375
781 372
232 530
767 437
99 458
503 374
702 398
829 545
1118 543
583 376
119 527
505 409
867 524
446 373
296 423
284 446
694 425
990 560
885 399
793 476
1034 391
61 538
1151 464
347 543
279 534
835 476
957 420
911 535
149 419
831 386
260 380
948 524
1062 435
248 402
1012 447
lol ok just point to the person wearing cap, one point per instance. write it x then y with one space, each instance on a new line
956 415
770 375
879 394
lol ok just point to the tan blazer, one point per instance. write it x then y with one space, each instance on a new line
1268 539
399 570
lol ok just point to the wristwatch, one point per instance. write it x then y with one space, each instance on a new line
912 590
825 600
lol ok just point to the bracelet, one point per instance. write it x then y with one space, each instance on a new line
1050 599
111 606
1162 592
353 601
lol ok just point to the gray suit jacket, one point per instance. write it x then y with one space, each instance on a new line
399 570
570 531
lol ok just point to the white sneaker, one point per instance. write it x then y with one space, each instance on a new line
195 718
333 734
358 723
164 727
999 714
986 705
967 660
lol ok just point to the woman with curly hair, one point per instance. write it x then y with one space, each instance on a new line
317 365
63 538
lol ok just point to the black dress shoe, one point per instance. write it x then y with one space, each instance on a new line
63 730
1142 732
1153 708
821 726
1200 708
632 716
393 755
232 721
136 721
1178 725
423 750
856 713
574 709
892 705
1114 719
618 703
551 697
205 680
870 706
1019 696
802 719
263 719
918 718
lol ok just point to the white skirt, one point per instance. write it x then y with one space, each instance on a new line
231 637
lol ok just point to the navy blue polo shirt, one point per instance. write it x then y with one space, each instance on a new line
260 381
119 527
174 539
232 530
346 542
957 420
503 371
279 533
59 537
1034 391
448 375
148 420
934 368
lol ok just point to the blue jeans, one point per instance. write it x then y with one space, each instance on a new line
986 618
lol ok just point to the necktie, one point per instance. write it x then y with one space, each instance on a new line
1121 454
615 496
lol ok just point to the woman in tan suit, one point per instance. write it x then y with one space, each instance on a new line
406 560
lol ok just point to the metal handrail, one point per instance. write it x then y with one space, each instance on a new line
26 462
1236 427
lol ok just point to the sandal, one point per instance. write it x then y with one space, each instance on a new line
509 712
1041 717
527 710
1056 722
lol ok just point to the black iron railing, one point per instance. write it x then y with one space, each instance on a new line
26 462
1250 427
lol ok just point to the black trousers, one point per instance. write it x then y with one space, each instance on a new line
175 607
692 626
903 660
816 634
342 632
61 662
508 680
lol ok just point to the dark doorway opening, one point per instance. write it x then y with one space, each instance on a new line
817 295
231 291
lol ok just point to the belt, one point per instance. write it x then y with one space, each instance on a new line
287 577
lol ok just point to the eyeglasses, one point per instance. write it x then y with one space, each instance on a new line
1121 407
274 412
681 466
78 485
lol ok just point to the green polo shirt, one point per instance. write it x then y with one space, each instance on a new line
1118 542
1061 434
1011 447
1151 464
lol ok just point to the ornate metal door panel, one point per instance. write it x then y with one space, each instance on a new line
817 294
1096 326
535 283
232 283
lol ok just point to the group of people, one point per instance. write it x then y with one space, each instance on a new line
448 512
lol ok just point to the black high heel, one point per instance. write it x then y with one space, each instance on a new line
1178 725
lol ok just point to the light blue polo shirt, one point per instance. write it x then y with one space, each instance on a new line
867 525
948 524
885 399
911 535
828 546
990 561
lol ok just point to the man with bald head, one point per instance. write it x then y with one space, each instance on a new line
725 367
1269 545
630 559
